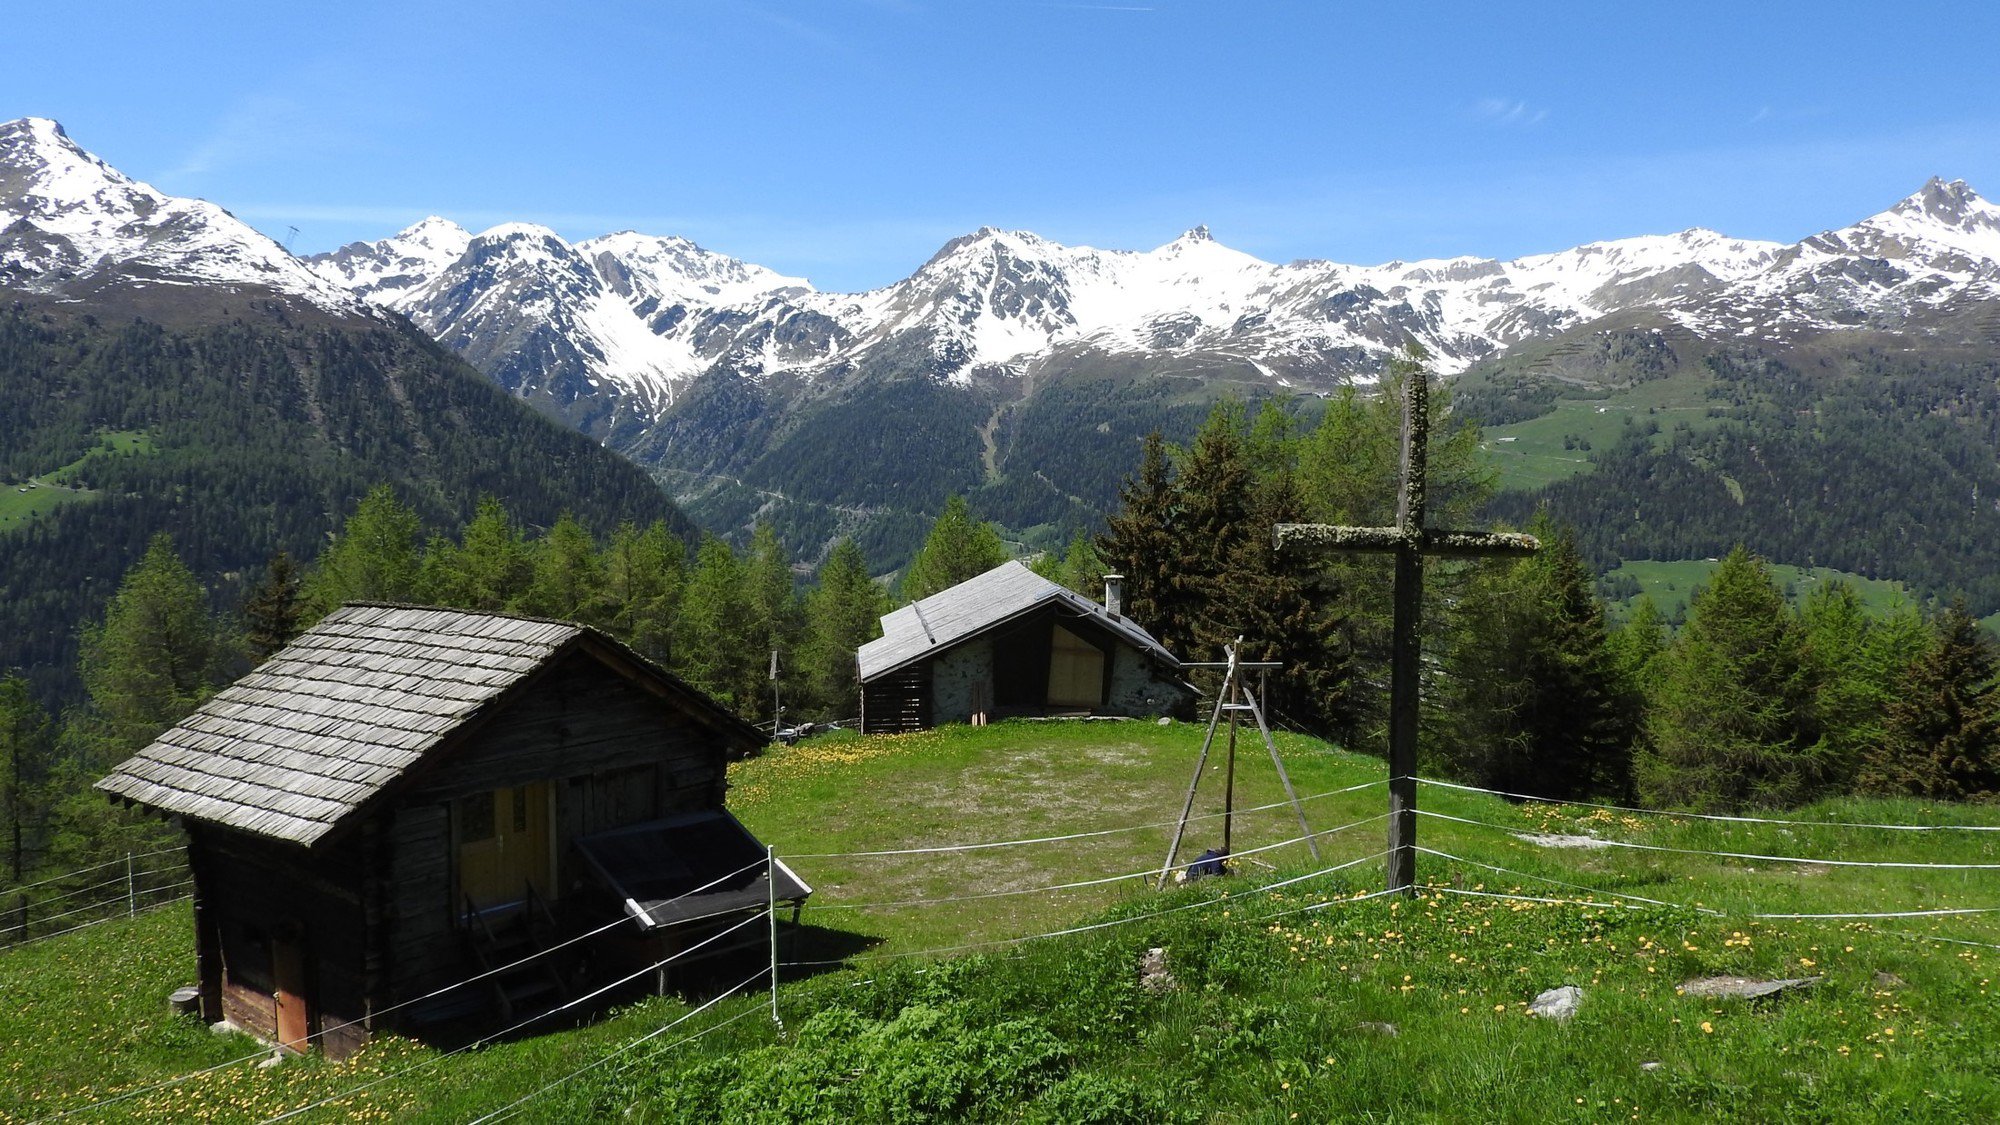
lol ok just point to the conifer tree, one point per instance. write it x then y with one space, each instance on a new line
643 575
713 646
490 568
1542 704
775 625
1942 727
1142 542
959 546
1637 643
1079 567
25 744
1855 659
273 613
155 656
568 580
1729 721
843 612
373 559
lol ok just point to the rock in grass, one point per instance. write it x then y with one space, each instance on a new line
1557 1004
1379 1028
1744 987
1889 980
1153 973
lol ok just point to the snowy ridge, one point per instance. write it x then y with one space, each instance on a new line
616 325
68 218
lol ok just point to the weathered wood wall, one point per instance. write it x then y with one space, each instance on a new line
615 753
899 701
256 891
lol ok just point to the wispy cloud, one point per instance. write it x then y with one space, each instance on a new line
1508 112
254 126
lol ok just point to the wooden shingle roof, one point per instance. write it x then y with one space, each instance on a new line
980 604
342 712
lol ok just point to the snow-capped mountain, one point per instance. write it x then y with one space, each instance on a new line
1936 251
634 316
70 224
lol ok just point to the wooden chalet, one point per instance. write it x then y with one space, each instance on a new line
406 797
1011 643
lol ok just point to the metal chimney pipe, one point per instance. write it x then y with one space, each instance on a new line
1114 594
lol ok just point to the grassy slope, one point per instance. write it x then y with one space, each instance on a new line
1267 1022
1672 584
1530 454
21 501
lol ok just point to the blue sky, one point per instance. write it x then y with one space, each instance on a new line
845 140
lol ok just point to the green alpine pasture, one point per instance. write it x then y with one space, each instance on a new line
1558 445
1290 996
21 501
1671 584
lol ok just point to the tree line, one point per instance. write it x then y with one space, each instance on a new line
713 617
1528 689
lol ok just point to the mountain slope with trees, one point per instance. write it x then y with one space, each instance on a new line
261 429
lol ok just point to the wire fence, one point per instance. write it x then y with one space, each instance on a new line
62 904
101 893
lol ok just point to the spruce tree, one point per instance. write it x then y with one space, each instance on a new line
1079 567
1542 703
1941 738
1729 722
959 546
273 613
26 737
843 612
1142 542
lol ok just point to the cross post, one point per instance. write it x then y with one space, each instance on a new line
1410 540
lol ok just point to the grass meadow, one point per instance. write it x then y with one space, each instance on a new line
1306 1001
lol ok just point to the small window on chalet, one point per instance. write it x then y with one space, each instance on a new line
476 817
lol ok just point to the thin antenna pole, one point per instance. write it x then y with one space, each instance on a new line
1229 776
771 884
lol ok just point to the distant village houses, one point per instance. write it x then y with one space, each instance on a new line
1011 643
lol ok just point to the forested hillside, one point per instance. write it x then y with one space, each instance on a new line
1880 461
243 438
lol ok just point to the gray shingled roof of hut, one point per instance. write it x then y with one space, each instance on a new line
982 603
328 721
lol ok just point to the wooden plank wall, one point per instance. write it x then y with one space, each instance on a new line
423 945
580 719
898 702
258 890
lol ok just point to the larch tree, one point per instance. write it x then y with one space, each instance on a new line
373 559
959 546
490 568
843 612
643 575
568 580
156 654
713 646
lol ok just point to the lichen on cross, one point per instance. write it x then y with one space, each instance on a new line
1410 540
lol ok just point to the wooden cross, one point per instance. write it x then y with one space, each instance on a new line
1410 541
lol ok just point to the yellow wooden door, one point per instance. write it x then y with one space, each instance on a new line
1076 671
503 845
